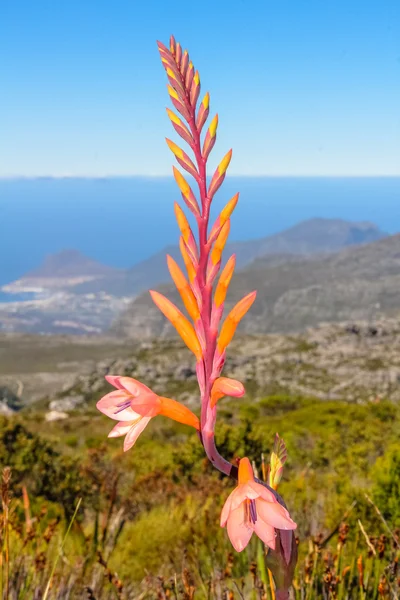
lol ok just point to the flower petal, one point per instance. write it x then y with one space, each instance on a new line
242 492
274 514
146 405
226 510
263 491
245 473
121 428
239 531
287 541
108 405
178 412
135 431
114 380
134 387
265 532
116 397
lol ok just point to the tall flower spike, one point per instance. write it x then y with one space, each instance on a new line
251 507
179 321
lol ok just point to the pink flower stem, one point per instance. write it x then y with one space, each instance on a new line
208 414
207 369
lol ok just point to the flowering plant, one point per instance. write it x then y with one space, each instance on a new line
254 506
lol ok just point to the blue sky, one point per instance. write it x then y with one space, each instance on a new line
302 87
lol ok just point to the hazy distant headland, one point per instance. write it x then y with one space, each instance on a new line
76 294
122 221
119 230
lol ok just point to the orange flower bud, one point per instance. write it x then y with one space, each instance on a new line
190 268
245 471
183 288
229 208
183 159
220 242
186 191
232 320
210 137
182 221
179 321
219 174
224 281
224 386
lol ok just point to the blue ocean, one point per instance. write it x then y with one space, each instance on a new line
121 221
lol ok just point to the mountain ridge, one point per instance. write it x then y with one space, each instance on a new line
74 294
312 236
360 282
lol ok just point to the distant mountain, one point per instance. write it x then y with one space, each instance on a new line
75 294
361 282
314 236
61 271
69 263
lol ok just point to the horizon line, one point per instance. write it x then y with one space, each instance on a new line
242 176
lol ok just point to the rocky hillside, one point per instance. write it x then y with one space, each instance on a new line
360 282
34 366
353 361
60 312
356 361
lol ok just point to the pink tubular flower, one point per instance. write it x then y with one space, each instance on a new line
133 404
252 508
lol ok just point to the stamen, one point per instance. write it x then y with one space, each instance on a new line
122 406
253 511
250 511
246 511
